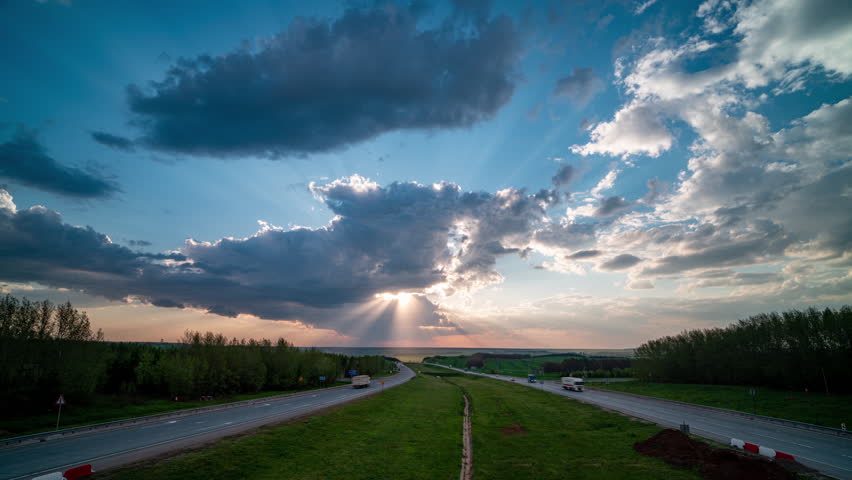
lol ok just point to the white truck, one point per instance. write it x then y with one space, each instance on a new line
360 381
572 383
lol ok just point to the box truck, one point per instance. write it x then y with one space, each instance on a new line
572 383
360 381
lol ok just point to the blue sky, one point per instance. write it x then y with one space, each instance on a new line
693 139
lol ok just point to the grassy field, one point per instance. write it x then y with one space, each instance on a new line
109 408
414 432
522 433
515 367
409 432
817 408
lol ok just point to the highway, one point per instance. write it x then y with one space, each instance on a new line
829 453
120 445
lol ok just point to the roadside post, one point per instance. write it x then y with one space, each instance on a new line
383 386
59 401
753 392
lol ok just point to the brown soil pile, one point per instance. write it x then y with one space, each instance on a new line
676 448
513 430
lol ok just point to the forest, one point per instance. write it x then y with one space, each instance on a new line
797 349
46 350
591 367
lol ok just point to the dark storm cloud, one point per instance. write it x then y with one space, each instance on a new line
582 254
320 86
580 86
113 141
563 176
611 206
139 243
25 161
382 239
620 262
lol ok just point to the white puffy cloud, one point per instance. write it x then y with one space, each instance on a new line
636 128
785 40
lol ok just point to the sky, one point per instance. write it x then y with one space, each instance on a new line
563 174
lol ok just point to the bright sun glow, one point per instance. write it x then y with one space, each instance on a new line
401 297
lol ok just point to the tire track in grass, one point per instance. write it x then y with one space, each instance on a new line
467 444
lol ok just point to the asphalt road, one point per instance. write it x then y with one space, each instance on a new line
112 447
830 454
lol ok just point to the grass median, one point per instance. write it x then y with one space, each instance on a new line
521 433
808 407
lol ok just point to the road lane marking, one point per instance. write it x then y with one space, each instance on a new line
176 439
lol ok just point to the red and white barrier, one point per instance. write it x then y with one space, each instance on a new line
70 474
78 472
765 451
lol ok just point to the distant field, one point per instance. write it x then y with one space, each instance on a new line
813 407
108 408
414 432
515 367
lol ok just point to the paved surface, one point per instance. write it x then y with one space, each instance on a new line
830 454
109 448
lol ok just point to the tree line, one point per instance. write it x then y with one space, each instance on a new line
797 349
591 367
46 350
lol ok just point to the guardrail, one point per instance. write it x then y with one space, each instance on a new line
54 434
753 416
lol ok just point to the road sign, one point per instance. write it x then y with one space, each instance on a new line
59 401
353 372
383 383
322 379
301 379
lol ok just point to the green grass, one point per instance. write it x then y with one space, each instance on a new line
813 407
515 367
109 408
408 432
561 435
561 438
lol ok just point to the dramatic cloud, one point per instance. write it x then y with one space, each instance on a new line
23 160
580 86
322 86
113 141
401 238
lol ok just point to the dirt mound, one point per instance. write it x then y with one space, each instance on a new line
676 448
513 430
